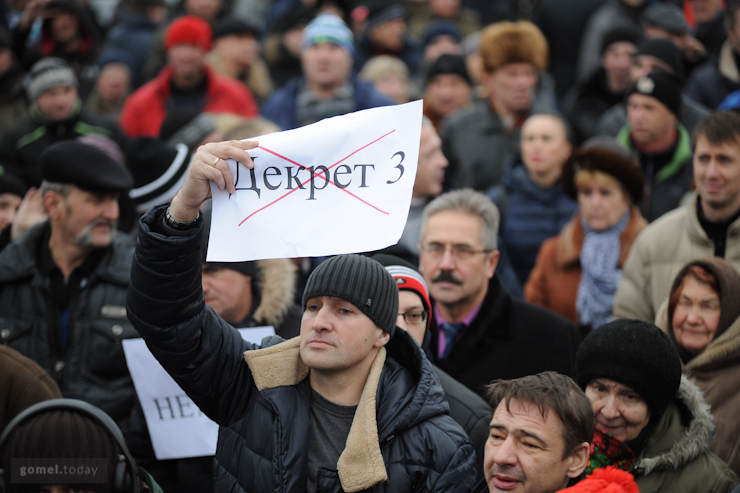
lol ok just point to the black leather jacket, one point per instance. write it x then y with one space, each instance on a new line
92 367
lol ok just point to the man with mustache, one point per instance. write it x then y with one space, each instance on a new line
540 435
63 283
479 332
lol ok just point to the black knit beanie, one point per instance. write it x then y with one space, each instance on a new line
361 281
634 353
662 86
63 434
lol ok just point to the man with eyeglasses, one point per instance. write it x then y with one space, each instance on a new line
468 409
478 332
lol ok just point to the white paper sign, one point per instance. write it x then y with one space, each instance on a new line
177 428
341 185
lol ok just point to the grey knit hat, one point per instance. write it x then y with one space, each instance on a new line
360 280
48 73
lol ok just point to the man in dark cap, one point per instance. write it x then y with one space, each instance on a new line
448 88
585 103
63 283
343 407
236 54
661 143
653 55
667 21
385 32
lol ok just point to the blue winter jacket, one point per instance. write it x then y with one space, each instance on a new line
529 214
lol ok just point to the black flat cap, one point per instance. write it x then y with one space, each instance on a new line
85 167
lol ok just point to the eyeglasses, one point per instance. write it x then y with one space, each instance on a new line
459 252
416 317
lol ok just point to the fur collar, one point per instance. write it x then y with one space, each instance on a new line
570 240
277 289
696 439
720 350
727 65
361 464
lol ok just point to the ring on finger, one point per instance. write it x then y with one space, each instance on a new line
216 162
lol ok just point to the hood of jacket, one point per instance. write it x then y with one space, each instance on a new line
684 432
516 179
401 391
726 64
19 257
276 290
722 351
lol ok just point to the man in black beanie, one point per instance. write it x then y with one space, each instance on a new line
351 404
649 420
63 283
654 55
661 143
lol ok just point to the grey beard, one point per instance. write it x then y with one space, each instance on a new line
85 238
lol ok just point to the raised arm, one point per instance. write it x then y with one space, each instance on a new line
165 298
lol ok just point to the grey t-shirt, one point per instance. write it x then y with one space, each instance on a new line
327 436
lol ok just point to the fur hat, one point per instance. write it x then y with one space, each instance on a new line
513 42
606 155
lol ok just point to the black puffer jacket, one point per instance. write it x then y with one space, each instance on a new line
93 367
401 438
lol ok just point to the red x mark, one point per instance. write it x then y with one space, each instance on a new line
317 174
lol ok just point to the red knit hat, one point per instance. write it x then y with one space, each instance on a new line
189 29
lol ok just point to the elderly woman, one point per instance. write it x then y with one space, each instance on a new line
578 271
702 318
649 420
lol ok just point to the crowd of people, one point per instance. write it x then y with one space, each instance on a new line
559 313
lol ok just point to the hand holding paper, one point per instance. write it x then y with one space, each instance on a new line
342 185
209 164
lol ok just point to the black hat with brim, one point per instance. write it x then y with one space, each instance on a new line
84 166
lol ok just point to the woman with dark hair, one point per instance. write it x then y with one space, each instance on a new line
578 271
702 319
649 419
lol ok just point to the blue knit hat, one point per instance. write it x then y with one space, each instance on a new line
328 28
